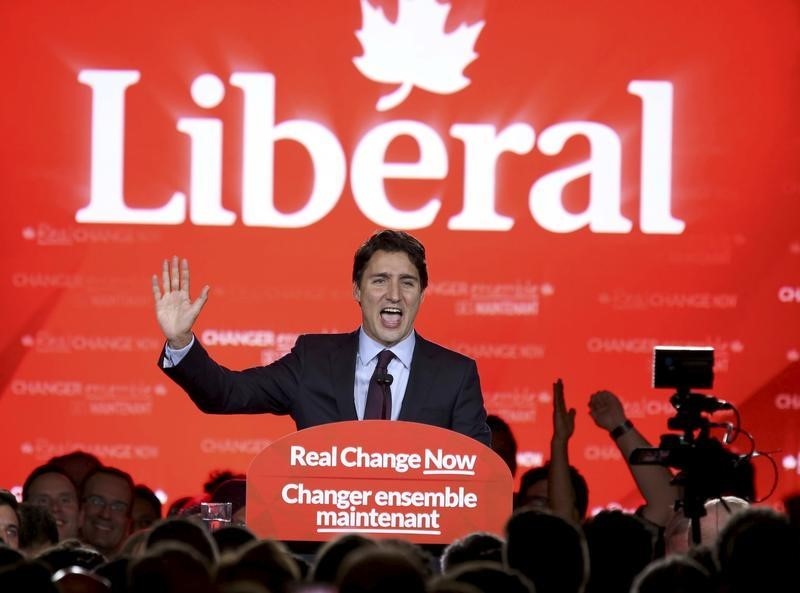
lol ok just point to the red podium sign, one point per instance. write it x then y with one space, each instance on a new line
385 479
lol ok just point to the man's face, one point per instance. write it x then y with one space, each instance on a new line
105 512
57 494
535 495
9 526
389 295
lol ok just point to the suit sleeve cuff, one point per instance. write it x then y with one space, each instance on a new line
173 357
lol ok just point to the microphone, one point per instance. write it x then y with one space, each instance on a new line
384 379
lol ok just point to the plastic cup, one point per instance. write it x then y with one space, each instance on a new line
216 514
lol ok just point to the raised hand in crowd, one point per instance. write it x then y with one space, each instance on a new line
175 311
654 481
560 491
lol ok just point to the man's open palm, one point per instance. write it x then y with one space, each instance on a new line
175 311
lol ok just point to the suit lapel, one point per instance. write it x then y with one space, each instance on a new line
343 366
420 379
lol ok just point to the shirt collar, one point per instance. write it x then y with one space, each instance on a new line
369 348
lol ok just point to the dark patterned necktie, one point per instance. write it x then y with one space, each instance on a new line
379 396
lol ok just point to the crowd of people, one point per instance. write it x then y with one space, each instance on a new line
83 526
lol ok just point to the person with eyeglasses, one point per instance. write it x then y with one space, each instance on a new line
105 512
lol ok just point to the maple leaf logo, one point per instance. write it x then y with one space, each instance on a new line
415 50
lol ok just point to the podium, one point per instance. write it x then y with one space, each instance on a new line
384 479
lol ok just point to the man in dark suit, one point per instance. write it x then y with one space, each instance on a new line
325 377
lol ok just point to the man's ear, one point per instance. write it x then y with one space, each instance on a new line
356 293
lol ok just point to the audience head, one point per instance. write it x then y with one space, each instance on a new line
105 514
424 559
718 512
678 532
232 537
503 441
146 509
217 477
757 550
75 579
9 520
37 529
791 506
703 554
26 576
176 506
187 531
550 550
170 567
266 562
9 556
620 546
533 489
475 547
489 577
76 464
116 573
381 569
676 573
135 544
50 486
71 552
333 553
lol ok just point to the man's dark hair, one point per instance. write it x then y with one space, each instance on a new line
332 554
757 545
504 443
380 569
186 531
47 468
170 566
26 575
489 576
478 546
392 242
8 500
232 537
37 526
71 552
144 492
548 549
620 546
77 464
217 477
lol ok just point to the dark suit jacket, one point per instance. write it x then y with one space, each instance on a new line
314 384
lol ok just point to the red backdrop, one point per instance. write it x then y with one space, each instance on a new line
590 180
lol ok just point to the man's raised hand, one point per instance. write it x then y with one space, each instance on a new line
175 311
563 418
606 410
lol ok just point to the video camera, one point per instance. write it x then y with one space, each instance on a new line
707 468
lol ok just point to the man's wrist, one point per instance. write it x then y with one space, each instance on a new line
180 342
620 430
